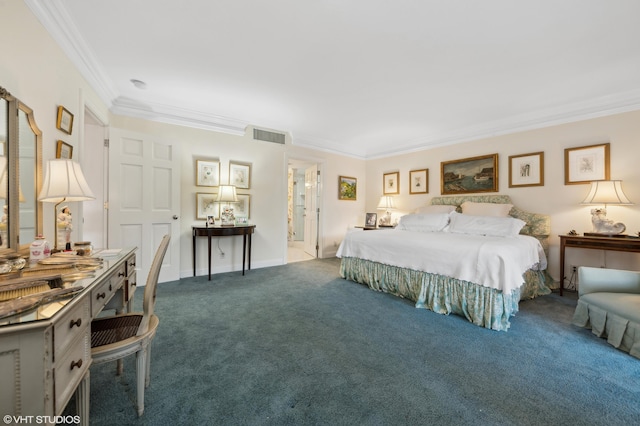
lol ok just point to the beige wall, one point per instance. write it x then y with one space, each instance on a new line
560 201
37 71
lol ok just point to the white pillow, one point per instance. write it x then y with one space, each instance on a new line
486 209
485 225
435 208
424 222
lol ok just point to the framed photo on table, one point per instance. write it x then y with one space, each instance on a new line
586 164
526 170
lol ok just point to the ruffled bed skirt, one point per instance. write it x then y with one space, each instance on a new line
619 331
483 306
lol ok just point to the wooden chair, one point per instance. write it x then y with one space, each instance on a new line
115 337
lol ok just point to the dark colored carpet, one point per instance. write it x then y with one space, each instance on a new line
296 345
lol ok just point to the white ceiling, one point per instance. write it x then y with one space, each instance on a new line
366 78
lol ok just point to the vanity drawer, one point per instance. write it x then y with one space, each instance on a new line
71 368
71 325
105 291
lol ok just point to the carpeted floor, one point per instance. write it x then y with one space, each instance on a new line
298 345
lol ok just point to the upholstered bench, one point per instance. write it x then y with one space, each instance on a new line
609 304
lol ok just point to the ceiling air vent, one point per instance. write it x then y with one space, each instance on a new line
263 135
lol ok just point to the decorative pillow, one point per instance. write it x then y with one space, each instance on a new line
485 225
486 209
435 209
424 222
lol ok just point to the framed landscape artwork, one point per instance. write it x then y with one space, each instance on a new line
347 188
469 175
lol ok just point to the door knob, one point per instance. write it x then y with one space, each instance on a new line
175 217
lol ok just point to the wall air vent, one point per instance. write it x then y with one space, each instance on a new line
266 136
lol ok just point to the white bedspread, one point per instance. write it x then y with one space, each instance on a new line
496 262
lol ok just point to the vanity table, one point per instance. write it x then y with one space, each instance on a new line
45 354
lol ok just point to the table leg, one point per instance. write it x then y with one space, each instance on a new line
244 250
193 251
249 252
209 253
562 247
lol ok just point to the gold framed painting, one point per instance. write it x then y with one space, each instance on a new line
347 188
526 170
391 183
586 164
206 205
207 173
469 175
240 174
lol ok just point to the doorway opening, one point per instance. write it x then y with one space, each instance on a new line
303 210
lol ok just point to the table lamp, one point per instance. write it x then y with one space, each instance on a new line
63 181
386 203
606 192
227 194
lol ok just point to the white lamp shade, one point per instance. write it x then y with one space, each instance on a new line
64 180
227 194
386 203
606 192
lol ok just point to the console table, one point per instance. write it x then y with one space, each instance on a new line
628 244
47 350
223 231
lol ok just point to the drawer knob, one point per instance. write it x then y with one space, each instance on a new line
101 296
77 323
75 364
110 287
121 274
133 283
132 264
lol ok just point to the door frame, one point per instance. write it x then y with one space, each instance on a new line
321 167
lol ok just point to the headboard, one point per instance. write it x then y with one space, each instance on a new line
538 225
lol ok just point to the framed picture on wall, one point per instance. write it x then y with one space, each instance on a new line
419 181
207 173
586 164
240 174
64 150
347 188
526 170
391 183
64 121
206 205
242 209
469 175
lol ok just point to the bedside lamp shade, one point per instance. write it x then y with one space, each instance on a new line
386 203
606 192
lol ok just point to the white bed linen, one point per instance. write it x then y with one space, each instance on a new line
496 262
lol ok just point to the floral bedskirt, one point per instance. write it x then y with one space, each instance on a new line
483 306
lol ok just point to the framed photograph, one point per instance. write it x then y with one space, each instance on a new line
242 209
207 173
526 170
206 205
419 181
211 220
240 175
391 183
64 150
65 120
586 164
371 220
469 175
347 188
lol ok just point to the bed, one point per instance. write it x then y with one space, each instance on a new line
452 269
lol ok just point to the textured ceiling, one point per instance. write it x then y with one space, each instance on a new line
366 78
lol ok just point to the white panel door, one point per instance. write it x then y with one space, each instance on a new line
310 210
144 199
